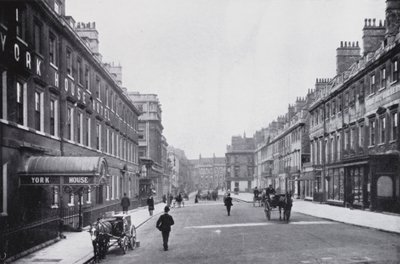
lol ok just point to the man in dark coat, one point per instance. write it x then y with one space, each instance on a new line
164 224
270 190
150 203
125 203
228 203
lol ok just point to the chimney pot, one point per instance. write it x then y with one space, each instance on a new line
373 21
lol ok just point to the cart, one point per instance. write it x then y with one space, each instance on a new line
123 232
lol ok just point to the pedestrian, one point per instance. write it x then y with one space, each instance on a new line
179 200
150 203
164 224
125 203
196 198
170 199
228 203
164 198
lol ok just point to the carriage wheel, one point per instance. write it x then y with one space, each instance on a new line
124 244
132 237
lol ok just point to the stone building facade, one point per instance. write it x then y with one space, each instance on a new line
209 173
69 143
151 143
354 132
240 164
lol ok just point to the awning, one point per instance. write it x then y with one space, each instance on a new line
64 170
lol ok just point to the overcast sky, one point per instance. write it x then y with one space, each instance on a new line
223 67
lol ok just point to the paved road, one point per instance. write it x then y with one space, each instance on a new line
203 233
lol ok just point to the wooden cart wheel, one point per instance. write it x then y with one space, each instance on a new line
132 237
124 244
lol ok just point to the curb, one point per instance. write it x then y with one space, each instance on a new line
338 221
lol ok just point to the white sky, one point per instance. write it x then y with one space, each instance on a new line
222 67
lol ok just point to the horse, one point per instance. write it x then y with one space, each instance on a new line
282 201
100 233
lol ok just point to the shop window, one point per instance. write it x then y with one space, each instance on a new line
357 185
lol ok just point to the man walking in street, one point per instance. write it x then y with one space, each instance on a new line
125 203
228 203
164 224
150 203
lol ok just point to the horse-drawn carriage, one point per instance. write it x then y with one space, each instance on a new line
282 201
116 230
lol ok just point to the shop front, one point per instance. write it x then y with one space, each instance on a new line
65 181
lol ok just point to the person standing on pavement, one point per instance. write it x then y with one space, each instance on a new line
150 203
164 224
125 203
228 203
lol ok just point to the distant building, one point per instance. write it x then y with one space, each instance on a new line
240 164
181 179
151 143
209 173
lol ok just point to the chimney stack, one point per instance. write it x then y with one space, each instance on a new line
116 72
89 33
392 17
346 55
373 35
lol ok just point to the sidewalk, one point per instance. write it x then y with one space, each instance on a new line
77 247
380 221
